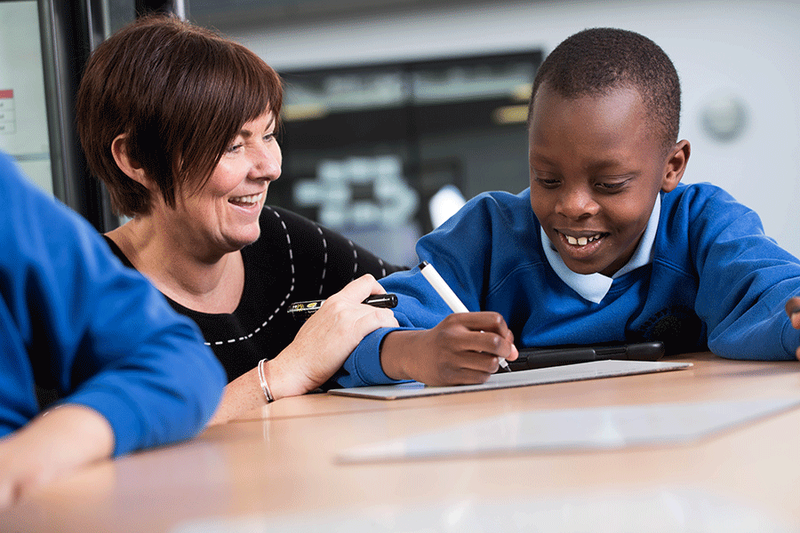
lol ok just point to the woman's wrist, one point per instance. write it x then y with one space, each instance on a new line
286 377
263 379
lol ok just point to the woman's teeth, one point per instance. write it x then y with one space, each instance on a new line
582 241
247 200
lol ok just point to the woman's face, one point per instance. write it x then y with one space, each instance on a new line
223 215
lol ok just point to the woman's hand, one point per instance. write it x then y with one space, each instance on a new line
462 349
327 338
317 352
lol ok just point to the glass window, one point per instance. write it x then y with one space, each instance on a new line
24 132
371 150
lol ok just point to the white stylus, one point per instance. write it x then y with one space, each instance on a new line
443 289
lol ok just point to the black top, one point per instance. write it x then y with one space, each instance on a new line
294 259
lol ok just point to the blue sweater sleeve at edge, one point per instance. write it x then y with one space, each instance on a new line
156 382
363 367
112 342
745 278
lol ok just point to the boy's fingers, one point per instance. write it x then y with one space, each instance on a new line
491 344
514 353
793 306
483 321
793 310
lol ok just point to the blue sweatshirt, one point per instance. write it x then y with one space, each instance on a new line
72 318
715 282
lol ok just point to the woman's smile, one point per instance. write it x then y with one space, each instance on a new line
247 201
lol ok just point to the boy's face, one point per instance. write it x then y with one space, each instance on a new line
596 169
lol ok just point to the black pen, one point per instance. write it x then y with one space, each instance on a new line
303 310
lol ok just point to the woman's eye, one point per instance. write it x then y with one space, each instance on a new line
233 148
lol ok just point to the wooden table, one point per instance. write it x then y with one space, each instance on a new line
278 467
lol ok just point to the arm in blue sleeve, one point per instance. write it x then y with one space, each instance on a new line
458 250
101 333
745 279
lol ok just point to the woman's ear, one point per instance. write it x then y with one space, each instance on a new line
676 165
128 165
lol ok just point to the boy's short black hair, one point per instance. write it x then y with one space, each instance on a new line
597 60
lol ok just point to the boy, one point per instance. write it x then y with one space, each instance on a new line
606 245
133 373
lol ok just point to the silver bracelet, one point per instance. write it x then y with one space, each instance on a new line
264 385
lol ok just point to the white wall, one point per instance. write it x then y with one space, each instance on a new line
735 47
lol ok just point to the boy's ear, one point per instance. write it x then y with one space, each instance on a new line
676 165
128 165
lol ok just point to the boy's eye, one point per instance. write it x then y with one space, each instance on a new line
546 181
611 186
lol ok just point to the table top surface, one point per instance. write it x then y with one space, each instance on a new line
279 467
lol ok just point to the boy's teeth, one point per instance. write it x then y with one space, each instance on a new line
581 241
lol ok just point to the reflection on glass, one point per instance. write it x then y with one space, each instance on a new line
366 148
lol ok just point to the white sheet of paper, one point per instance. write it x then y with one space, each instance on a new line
575 429
519 378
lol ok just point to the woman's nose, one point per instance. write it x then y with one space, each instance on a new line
266 162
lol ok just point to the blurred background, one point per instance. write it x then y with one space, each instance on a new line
398 110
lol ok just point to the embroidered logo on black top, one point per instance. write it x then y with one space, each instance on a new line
678 327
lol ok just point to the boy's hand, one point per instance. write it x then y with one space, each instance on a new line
793 310
463 349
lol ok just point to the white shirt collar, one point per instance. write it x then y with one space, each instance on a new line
594 287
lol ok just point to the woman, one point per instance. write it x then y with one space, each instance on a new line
180 124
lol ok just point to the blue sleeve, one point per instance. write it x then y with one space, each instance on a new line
745 279
79 321
460 250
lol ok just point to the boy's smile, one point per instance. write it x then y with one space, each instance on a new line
597 165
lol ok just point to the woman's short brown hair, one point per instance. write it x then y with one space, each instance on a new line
180 93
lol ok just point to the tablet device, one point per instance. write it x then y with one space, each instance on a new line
567 355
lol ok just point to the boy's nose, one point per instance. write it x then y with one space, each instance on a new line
576 203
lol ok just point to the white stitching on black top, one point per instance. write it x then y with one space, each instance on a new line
285 298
